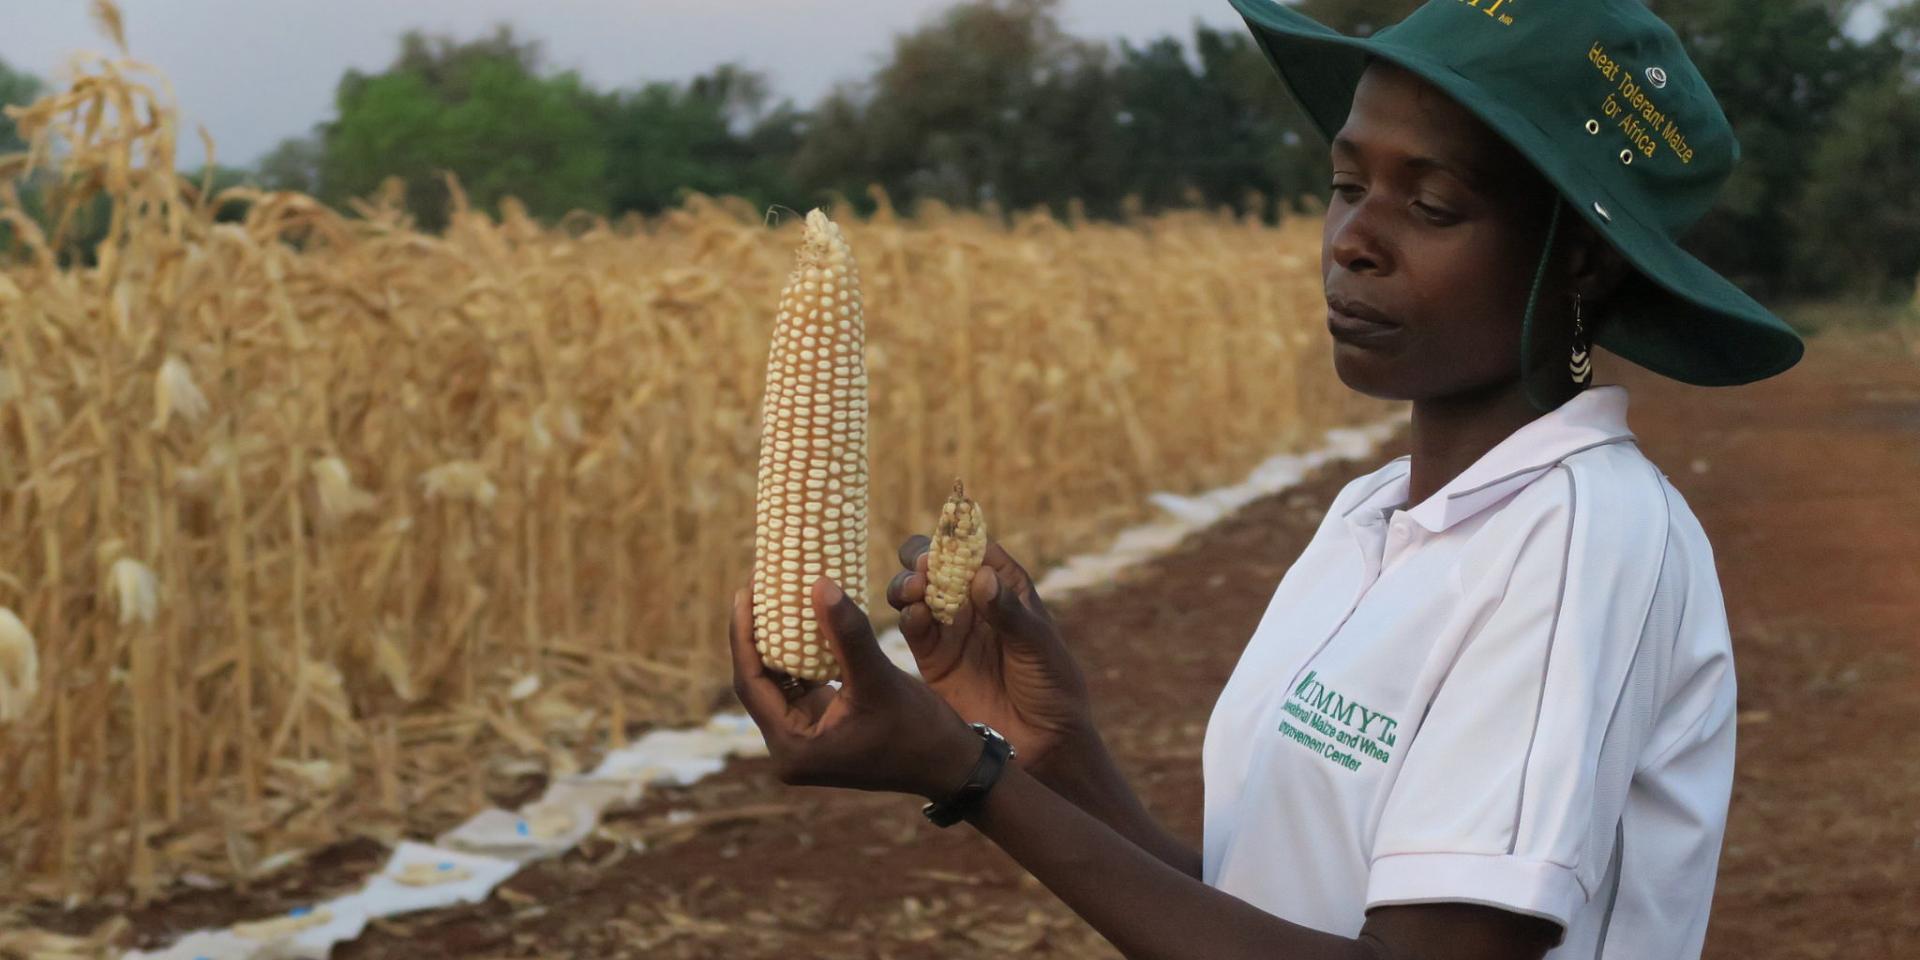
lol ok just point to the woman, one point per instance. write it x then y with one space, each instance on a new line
1489 711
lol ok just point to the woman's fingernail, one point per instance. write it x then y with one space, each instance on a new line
834 594
993 586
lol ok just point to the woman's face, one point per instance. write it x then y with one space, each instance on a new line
1432 236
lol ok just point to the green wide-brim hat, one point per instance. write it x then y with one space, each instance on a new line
1602 99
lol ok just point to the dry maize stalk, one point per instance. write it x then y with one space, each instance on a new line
959 546
812 499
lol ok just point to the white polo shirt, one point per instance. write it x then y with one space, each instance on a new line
1519 693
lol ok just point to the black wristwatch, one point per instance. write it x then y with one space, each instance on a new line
993 759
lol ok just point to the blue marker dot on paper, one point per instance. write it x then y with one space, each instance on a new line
299 911
446 866
520 828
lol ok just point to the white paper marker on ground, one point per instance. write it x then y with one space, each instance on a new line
410 880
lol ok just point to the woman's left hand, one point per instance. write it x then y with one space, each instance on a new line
883 729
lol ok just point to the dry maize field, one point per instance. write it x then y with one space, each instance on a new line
314 525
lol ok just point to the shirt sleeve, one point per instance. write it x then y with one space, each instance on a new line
1516 779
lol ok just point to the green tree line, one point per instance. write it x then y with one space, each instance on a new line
991 103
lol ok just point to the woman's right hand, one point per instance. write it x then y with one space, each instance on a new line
1001 662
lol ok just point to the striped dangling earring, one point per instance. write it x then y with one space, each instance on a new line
1579 365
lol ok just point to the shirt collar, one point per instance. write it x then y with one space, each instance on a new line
1594 416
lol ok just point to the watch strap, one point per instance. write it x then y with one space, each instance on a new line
994 754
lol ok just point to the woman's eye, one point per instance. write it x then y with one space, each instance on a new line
1435 214
1347 190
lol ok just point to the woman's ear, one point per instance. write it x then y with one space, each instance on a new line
1594 268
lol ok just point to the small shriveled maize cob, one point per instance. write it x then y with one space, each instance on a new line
812 499
959 546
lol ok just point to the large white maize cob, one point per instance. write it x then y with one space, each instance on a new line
959 546
812 502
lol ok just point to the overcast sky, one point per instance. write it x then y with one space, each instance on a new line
256 71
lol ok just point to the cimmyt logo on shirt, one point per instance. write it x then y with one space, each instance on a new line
1337 727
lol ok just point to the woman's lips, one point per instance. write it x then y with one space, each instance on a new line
1357 323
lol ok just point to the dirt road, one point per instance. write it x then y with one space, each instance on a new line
1809 487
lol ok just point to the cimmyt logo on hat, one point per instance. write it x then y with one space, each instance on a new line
1657 77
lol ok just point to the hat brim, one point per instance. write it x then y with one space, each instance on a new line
1677 317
